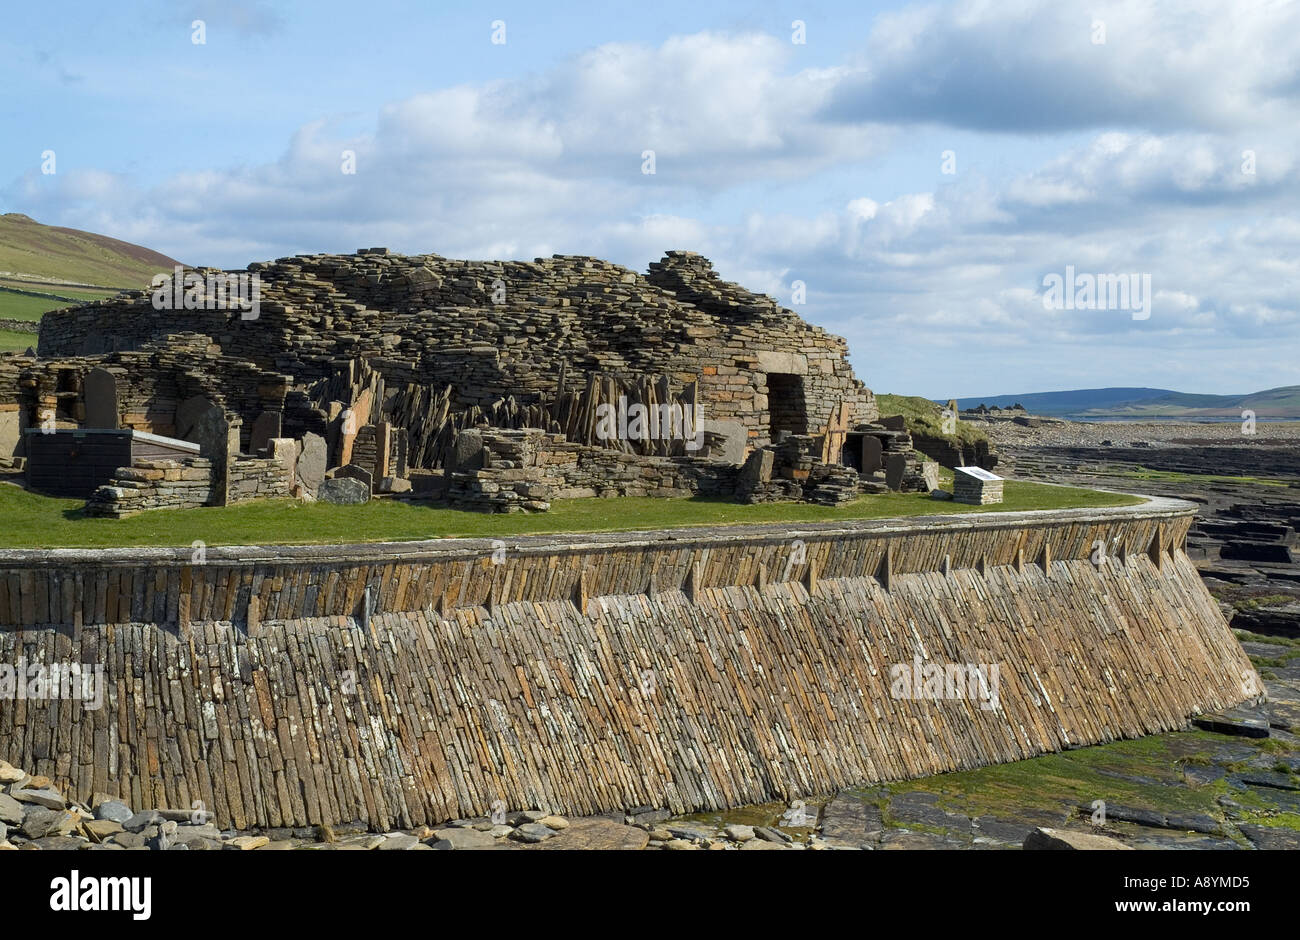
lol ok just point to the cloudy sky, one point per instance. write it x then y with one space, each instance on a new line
921 168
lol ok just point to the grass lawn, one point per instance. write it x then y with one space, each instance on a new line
922 414
1174 476
23 307
29 520
11 340
73 293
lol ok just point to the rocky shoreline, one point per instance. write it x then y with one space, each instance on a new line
1231 782
1244 541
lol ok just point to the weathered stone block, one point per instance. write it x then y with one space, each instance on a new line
343 491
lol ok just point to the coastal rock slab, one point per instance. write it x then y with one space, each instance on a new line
1042 838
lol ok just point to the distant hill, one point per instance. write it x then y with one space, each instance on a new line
45 267
35 251
1281 402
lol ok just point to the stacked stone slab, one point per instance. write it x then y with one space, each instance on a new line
154 484
512 470
523 682
794 469
151 385
493 329
503 476
186 484
388 359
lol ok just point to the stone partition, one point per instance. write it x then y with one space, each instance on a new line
410 683
187 483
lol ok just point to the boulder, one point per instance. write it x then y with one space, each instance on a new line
343 491
113 810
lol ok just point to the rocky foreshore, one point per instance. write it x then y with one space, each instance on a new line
1233 782
1244 541
1032 431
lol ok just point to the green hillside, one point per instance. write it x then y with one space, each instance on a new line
33 251
925 416
1283 402
40 263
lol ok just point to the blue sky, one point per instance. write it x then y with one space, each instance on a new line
821 161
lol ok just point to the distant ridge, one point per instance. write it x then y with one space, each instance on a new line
31 251
1282 402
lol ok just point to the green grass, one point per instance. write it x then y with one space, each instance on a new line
38 287
1079 776
32 520
921 414
12 341
30 248
22 307
1173 476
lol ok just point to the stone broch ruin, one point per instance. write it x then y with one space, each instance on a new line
410 683
476 382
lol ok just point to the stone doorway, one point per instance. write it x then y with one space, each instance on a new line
786 404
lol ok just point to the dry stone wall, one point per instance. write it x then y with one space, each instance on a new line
151 385
186 484
524 470
407 685
430 320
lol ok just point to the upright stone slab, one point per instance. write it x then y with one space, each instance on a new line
354 472
11 431
202 422
265 428
467 452
312 461
757 469
99 391
383 449
895 469
872 451
284 451
734 439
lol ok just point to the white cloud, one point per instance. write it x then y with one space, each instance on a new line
553 164
1034 66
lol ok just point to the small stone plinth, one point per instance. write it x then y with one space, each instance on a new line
976 486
